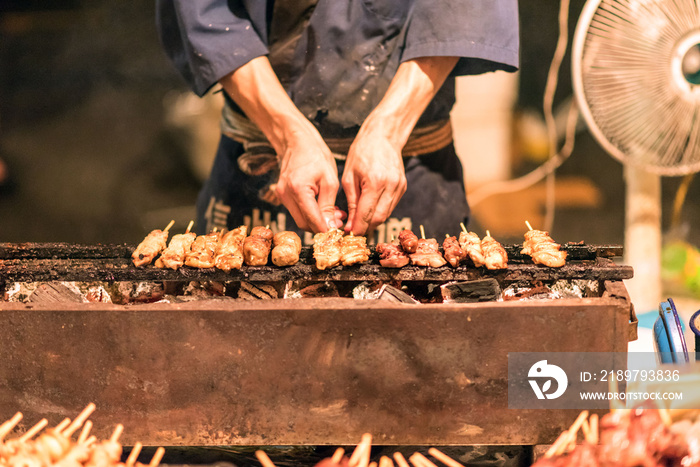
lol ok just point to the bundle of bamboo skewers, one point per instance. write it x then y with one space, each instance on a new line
360 457
623 437
55 446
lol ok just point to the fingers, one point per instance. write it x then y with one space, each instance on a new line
366 207
352 191
375 204
312 206
326 204
340 215
291 205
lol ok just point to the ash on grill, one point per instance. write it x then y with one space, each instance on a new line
125 293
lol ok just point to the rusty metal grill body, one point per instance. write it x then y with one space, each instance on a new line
293 371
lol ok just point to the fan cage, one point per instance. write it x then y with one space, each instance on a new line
627 59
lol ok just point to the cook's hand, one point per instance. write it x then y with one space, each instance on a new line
308 182
374 179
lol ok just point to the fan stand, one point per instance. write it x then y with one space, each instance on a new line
643 236
672 36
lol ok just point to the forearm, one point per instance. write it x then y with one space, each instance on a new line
415 84
259 93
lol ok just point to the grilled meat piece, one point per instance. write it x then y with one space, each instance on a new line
495 257
327 250
287 246
543 250
203 251
428 254
174 255
229 252
471 245
391 255
408 240
452 251
149 247
353 250
256 247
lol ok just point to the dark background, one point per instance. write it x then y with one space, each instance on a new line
91 159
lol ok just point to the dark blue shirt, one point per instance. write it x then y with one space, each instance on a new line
336 58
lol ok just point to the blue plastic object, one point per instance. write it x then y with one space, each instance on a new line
668 335
694 320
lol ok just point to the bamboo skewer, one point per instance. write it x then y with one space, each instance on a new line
61 426
586 428
529 227
33 431
338 455
464 229
419 460
401 460
665 416
361 452
364 458
157 457
85 432
594 428
62 433
189 227
133 455
444 458
573 431
10 425
79 420
264 459
117 433
554 448
568 437
422 232
170 224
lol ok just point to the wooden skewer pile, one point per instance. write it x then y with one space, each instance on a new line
55 447
360 457
567 440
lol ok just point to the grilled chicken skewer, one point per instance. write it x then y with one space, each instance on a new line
229 252
495 256
151 246
471 245
256 247
173 256
452 251
542 248
427 251
391 255
327 249
287 246
428 254
353 250
203 251
408 241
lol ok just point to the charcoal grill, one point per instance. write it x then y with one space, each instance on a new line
318 371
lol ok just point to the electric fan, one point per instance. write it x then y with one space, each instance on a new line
636 78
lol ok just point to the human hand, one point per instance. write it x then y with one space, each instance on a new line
308 181
374 179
